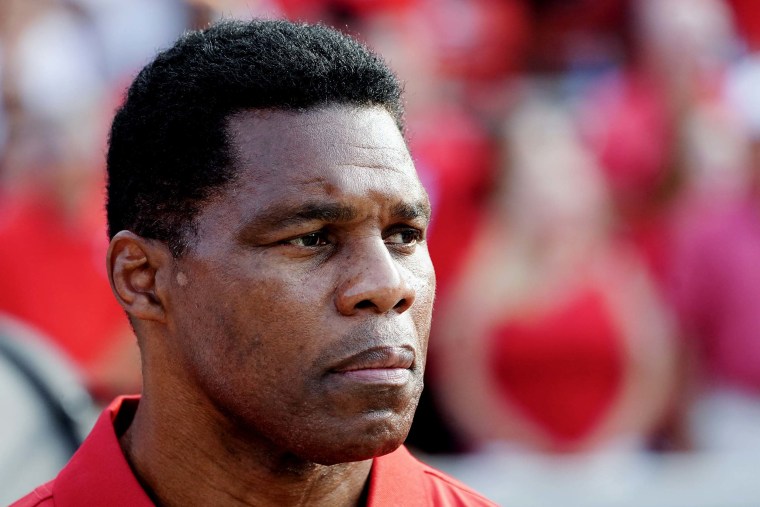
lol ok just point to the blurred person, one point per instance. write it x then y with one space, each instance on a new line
715 278
268 245
54 93
641 121
693 220
48 411
632 128
555 338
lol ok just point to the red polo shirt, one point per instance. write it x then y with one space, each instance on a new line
98 474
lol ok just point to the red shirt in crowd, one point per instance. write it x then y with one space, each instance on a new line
52 269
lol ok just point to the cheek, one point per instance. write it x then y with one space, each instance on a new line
249 342
268 319
423 279
422 275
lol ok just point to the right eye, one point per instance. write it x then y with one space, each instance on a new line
310 240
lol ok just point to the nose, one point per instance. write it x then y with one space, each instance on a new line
374 282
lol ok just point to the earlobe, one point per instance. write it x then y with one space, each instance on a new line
133 264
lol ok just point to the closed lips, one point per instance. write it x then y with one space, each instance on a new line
378 358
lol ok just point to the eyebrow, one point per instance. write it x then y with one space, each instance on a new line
412 211
310 212
283 217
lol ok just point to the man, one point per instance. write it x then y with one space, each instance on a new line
268 245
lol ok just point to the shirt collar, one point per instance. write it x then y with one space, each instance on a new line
98 473
397 479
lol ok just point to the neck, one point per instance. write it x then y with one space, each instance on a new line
186 454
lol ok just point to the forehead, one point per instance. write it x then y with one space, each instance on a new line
337 151
273 140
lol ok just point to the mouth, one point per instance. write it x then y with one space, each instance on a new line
381 365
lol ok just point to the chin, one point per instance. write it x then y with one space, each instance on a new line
350 453
365 440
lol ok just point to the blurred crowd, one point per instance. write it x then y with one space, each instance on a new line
594 169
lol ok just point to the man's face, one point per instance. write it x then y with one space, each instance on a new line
302 310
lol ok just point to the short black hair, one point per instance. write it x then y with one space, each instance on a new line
169 150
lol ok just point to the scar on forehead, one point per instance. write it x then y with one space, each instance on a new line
182 279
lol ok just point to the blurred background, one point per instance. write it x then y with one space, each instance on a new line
594 168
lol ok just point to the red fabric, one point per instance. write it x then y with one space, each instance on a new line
99 475
53 276
563 367
747 18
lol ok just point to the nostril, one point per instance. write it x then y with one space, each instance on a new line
400 304
365 303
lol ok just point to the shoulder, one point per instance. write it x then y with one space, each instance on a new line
447 491
42 496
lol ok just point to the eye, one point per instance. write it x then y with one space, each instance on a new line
310 240
406 236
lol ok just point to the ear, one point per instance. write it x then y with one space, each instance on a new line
133 264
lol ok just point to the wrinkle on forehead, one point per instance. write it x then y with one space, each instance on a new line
402 152
375 166
398 157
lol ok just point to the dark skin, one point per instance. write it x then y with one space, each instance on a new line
286 348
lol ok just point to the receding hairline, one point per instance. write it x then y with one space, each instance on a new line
267 112
234 122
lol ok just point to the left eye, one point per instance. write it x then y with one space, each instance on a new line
404 237
310 240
